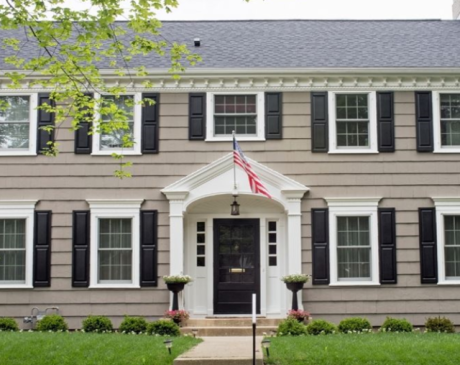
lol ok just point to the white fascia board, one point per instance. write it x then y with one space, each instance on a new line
349 202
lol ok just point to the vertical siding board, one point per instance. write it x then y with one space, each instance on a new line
387 246
42 249
424 121
273 115
428 249
149 248
320 246
44 119
319 122
150 124
385 121
197 116
80 248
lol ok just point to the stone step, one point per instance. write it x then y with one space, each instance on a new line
226 331
231 322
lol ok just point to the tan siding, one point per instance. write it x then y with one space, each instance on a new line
405 180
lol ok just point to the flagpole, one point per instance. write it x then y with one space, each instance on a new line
234 165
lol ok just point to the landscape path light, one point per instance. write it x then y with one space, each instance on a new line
168 345
266 345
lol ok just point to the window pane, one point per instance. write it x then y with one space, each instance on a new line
200 261
272 249
272 237
124 132
272 261
200 250
200 227
450 133
353 231
14 136
272 226
118 138
224 125
452 261
115 233
115 265
12 234
353 262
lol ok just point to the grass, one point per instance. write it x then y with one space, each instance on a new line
88 349
366 349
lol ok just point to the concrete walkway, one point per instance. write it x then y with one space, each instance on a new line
222 350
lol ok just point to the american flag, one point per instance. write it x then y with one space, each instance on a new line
256 185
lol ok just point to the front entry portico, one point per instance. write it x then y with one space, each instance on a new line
232 257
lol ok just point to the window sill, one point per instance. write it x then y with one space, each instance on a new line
239 139
449 282
15 286
352 152
114 286
18 153
119 152
355 283
447 150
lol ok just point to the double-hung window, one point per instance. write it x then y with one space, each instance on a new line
114 135
353 124
239 112
16 243
115 252
448 239
446 126
18 124
353 232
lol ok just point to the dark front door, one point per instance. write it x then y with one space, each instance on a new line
236 265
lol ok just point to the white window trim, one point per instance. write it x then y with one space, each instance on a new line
115 209
372 104
444 206
21 209
137 117
352 207
437 124
210 117
33 115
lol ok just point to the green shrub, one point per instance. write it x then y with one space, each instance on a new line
97 324
396 325
438 324
291 327
133 324
163 327
321 327
52 322
354 325
8 324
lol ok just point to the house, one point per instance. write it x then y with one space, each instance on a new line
353 127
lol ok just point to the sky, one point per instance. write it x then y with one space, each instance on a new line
310 9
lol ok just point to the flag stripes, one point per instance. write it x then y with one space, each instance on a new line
254 182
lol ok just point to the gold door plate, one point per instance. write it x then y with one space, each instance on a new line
237 270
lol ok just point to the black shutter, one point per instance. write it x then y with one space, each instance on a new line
149 248
424 115
428 254
319 120
320 246
387 246
197 116
80 249
385 121
42 249
84 140
44 119
273 115
150 123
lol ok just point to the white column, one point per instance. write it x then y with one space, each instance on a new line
176 237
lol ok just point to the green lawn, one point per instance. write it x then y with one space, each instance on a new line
366 349
88 349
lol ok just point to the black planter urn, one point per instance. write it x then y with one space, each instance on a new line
294 287
176 288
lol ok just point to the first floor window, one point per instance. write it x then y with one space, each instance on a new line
15 123
452 246
115 250
353 248
12 250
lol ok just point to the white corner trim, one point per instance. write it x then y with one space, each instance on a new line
372 110
352 202
260 128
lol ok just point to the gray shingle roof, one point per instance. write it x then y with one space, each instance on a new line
311 43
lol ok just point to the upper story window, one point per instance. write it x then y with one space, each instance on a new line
446 124
114 141
18 124
239 112
353 122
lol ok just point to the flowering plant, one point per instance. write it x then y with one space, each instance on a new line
296 278
177 279
177 316
300 315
